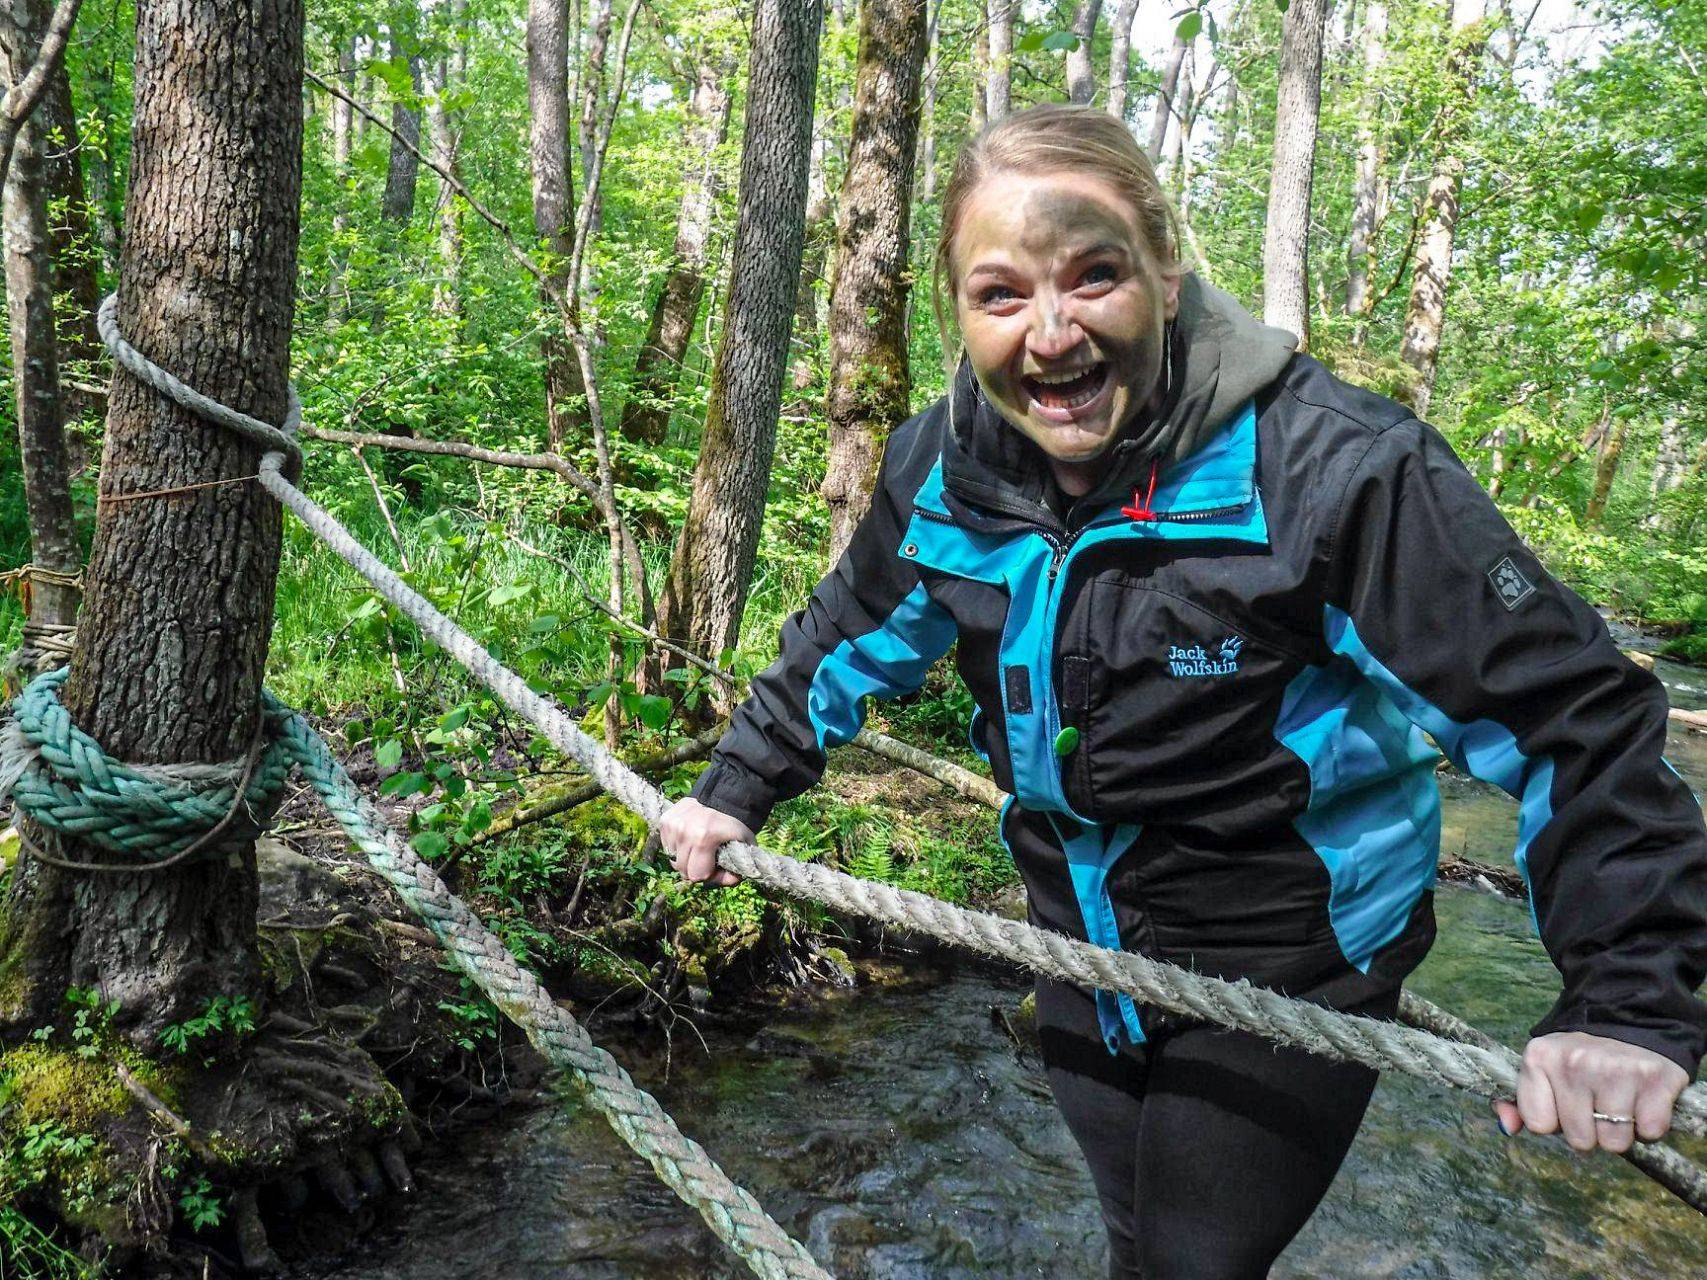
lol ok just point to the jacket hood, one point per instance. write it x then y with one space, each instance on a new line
1219 356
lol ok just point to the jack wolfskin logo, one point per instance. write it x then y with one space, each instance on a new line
1509 582
1195 660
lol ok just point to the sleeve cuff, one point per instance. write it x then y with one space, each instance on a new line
730 789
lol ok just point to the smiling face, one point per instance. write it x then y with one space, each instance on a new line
1061 305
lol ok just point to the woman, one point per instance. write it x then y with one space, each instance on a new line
1208 597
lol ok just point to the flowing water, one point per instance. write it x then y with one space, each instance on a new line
902 1133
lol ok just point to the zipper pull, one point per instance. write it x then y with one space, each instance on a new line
1059 555
1142 508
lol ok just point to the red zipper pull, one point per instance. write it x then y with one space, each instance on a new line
1141 508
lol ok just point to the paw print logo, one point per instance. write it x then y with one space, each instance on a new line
1230 648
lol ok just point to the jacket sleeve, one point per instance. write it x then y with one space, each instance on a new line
1435 599
869 628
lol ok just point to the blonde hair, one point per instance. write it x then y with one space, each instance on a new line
1048 138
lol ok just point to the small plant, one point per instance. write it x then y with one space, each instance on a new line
233 1015
91 1020
201 1205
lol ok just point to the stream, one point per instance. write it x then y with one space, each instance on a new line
902 1134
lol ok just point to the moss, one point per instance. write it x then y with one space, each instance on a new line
385 1112
56 1086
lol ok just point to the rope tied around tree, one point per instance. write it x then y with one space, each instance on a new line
153 816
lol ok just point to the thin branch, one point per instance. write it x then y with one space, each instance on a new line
22 98
552 462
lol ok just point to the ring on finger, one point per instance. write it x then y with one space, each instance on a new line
1601 1115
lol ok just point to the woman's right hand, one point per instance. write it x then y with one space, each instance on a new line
692 833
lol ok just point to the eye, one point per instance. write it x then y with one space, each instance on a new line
992 294
1100 273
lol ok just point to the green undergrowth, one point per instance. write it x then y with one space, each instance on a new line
455 758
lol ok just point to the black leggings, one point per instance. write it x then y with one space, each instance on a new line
1210 1149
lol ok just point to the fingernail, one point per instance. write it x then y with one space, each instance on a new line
1501 1122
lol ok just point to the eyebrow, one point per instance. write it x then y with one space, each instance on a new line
1089 251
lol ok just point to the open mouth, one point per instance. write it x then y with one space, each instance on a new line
1067 390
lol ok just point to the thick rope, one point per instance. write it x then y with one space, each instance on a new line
1488 1071
682 1163
60 777
151 815
1385 1046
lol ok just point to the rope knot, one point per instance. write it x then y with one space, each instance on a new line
151 815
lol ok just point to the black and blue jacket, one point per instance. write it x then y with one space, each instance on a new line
1209 702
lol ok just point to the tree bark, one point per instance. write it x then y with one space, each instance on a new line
174 632
1606 470
1182 108
927 116
1165 99
553 201
402 168
646 415
444 135
706 590
1286 237
869 377
35 357
1366 190
592 92
1120 58
999 87
1431 266
1081 70
72 240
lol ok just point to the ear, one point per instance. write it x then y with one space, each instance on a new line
1170 294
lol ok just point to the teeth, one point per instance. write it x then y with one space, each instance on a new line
1055 379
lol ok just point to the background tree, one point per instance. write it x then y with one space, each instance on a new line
55 556
1285 259
1431 270
869 377
705 593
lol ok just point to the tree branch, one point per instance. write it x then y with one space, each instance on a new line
22 98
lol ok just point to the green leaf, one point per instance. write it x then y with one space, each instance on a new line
546 622
403 784
510 592
1059 41
1030 42
389 754
430 844
1192 23
457 718
654 711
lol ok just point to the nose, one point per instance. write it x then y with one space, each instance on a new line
1053 333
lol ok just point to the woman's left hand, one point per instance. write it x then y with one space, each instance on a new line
1570 1075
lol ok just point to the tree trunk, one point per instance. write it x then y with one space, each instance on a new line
103 193
706 590
444 135
402 168
927 117
815 260
592 93
76 254
553 201
1431 266
1165 99
1120 58
1286 238
1366 191
1081 71
1605 470
999 87
1671 467
35 361
646 415
174 632
869 382
1181 103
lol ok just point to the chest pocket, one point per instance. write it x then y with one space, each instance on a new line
1178 704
